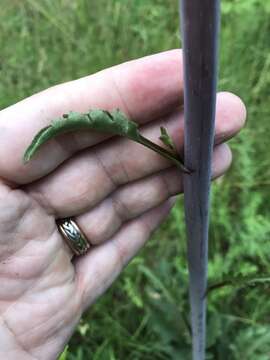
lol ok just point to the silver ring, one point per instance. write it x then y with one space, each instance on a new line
74 236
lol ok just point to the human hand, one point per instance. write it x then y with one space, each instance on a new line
118 191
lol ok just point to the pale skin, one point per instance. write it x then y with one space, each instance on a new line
118 192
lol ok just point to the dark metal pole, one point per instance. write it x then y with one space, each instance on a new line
200 28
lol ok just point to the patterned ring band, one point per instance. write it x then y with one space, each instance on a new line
73 235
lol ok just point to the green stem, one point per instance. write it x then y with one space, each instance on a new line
165 153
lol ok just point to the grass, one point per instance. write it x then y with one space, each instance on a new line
145 313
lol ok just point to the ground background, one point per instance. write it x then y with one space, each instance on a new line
145 314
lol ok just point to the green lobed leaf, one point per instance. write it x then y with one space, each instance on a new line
115 123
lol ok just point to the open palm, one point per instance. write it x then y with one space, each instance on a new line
118 191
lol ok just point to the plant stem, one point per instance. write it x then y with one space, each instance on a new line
164 152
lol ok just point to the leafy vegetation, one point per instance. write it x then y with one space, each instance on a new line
113 122
145 314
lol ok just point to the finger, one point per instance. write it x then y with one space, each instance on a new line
91 176
232 111
144 89
99 268
132 200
